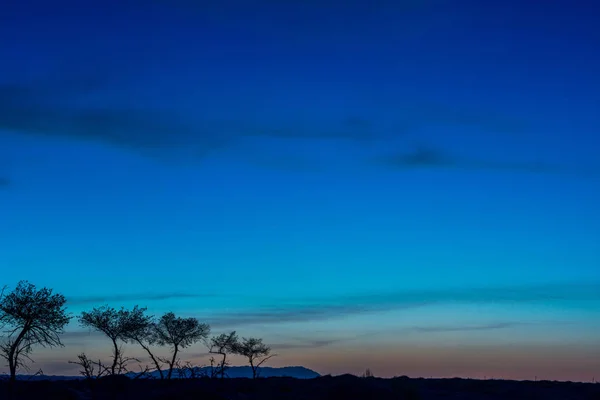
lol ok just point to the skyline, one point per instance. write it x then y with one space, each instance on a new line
410 187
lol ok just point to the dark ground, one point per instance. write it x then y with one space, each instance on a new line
341 387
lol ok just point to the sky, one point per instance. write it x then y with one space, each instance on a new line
407 186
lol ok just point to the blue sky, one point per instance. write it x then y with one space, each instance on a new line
411 185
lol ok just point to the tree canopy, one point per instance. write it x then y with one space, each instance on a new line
179 333
117 325
30 317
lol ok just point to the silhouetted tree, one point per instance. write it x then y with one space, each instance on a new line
178 333
143 332
222 345
255 351
117 325
31 317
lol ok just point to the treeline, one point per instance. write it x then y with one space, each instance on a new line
31 317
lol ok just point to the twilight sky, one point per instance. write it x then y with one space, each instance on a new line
410 186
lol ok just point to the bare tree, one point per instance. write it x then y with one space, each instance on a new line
255 351
188 370
117 325
95 369
222 345
178 333
31 317
90 369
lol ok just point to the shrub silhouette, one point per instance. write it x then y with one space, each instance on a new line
255 351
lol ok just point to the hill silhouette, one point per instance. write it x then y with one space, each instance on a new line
344 387
296 372
246 372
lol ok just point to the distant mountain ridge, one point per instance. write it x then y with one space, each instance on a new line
297 372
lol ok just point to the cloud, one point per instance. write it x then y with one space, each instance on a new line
427 157
70 335
45 108
290 343
420 157
140 297
315 309
307 344
270 315
137 129
420 113
488 327
53 107
320 343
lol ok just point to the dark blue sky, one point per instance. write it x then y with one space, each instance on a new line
355 179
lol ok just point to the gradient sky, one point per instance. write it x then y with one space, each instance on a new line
409 186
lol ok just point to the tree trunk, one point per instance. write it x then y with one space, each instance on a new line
154 360
13 369
13 362
223 366
253 369
115 358
172 362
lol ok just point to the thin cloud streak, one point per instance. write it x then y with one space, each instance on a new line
320 343
316 309
143 131
140 297
275 315
427 157
467 328
311 344
429 113
31 108
69 335
42 108
45 109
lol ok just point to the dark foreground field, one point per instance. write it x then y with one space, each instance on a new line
341 387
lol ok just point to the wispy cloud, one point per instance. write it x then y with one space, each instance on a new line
137 129
290 343
307 344
467 328
139 297
303 343
419 113
315 309
70 335
282 314
429 157
47 108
